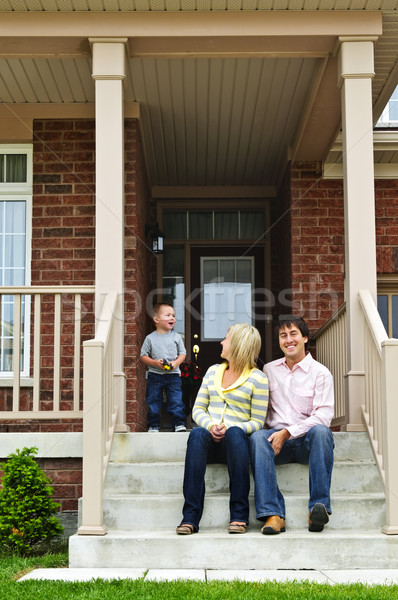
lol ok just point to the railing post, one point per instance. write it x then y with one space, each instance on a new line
93 435
390 438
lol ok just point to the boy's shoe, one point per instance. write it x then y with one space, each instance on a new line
178 428
154 429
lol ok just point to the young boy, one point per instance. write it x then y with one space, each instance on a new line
163 351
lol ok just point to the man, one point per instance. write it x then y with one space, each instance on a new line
300 411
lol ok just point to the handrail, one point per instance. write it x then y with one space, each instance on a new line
380 411
100 389
331 351
20 406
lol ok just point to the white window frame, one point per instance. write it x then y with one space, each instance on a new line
385 118
203 259
13 192
387 285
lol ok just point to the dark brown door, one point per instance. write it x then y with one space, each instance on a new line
227 282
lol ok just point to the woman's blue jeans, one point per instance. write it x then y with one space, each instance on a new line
315 448
233 450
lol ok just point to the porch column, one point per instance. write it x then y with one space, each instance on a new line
109 72
356 71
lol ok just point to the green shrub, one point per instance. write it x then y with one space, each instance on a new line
27 510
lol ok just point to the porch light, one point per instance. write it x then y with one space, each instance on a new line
157 238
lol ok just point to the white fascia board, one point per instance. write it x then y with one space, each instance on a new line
50 445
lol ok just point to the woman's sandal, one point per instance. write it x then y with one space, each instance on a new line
185 529
236 528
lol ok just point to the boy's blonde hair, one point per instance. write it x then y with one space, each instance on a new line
245 344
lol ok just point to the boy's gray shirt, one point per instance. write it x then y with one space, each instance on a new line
163 345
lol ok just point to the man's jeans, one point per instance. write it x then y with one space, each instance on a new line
154 398
314 448
202 450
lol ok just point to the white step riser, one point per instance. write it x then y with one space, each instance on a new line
164 512
250 551
167 478
161 447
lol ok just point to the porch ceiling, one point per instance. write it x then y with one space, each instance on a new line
213 115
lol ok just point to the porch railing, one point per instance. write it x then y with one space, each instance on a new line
380 411
331 352
45 323
102 395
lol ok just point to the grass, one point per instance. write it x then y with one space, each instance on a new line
11 568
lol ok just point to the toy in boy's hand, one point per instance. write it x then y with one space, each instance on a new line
166 365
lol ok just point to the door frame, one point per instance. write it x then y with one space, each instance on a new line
226 204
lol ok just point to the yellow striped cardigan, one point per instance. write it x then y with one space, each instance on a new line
243 404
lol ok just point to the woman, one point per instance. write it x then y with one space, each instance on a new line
231 404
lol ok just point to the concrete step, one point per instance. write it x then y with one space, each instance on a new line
166 478
170 447
164 512
215 549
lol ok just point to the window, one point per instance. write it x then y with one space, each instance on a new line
227 285
387 303
214 225
389 116
15 241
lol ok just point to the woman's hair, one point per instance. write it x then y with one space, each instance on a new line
245 344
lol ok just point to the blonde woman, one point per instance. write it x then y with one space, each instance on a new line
231 404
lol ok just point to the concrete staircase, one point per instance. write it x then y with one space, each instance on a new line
143 502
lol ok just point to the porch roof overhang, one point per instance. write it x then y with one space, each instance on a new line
225 99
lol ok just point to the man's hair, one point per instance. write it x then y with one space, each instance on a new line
293 322
245 344
156 308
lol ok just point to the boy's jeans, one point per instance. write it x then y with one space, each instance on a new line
314 448
202 450
154 398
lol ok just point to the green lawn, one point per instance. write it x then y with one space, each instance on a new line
11 568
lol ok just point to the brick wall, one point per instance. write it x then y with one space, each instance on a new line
317 217
313 231
139 276
387 225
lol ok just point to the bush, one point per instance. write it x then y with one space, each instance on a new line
27 510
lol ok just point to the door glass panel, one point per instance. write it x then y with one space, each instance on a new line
243 271
227 270
252 225
226 225
175 225
225 298
382 307
394 316
200 225
210 270
173 284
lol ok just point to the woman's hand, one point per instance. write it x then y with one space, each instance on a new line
217 432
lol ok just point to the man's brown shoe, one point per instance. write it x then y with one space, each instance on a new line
318 517
273 525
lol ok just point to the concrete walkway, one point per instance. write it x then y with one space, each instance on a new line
366 576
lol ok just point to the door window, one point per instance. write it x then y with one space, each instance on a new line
227 284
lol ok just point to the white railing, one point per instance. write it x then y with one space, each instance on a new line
102 395
331 352
380 411
35 307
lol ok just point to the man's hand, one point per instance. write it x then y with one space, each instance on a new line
217 432
277 439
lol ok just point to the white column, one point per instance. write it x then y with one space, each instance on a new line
356 71
109 72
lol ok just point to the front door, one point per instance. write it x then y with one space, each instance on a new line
226 282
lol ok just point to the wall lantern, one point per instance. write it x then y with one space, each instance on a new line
157 238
